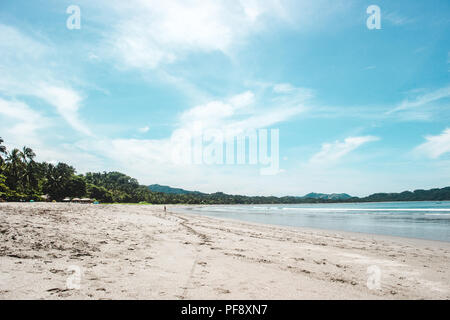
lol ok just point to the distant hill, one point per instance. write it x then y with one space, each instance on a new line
170 190
332 196
223 198
436 194
312 195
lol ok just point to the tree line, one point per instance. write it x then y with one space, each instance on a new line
24 179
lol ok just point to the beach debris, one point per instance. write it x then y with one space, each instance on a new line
57 290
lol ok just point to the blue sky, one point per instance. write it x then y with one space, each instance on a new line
358 110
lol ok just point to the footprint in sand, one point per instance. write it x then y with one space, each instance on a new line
222 291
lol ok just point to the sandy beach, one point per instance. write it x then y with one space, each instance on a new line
78 251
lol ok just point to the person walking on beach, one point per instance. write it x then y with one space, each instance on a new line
164 208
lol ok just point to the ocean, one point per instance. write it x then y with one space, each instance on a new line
415 219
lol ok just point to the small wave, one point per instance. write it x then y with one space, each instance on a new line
369 209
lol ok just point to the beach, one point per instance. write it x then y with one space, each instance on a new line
85 251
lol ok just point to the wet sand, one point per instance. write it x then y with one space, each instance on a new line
79 251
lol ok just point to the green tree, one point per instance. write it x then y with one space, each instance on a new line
57 179
99 193
3 152
30 179
14 169
5 192
75 187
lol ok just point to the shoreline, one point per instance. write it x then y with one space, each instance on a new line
141 252
409 240
300 228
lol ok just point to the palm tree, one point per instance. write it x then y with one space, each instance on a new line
57 179
27 154
2 151
14 168
29 178
53 182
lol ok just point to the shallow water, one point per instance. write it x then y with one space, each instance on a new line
422 219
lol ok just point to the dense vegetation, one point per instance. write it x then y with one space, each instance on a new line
437 194
167 189
23 179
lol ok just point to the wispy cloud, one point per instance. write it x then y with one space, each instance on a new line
435 146
245 112
23 126
237 114
144 129
25 122
396 18
153 33
149 34
67 103
331 152
234 115
422 100
25 72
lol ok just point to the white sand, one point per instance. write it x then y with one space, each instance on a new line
139 252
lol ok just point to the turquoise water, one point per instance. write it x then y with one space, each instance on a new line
423 220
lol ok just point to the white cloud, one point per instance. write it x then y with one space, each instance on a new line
148 34
66 101
331 152
396 19
234 115
18 111
20 122
26 71
283 88
15 45
151 33
219 114
435 146
422 100
22 126
241 112
144 129
242 100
